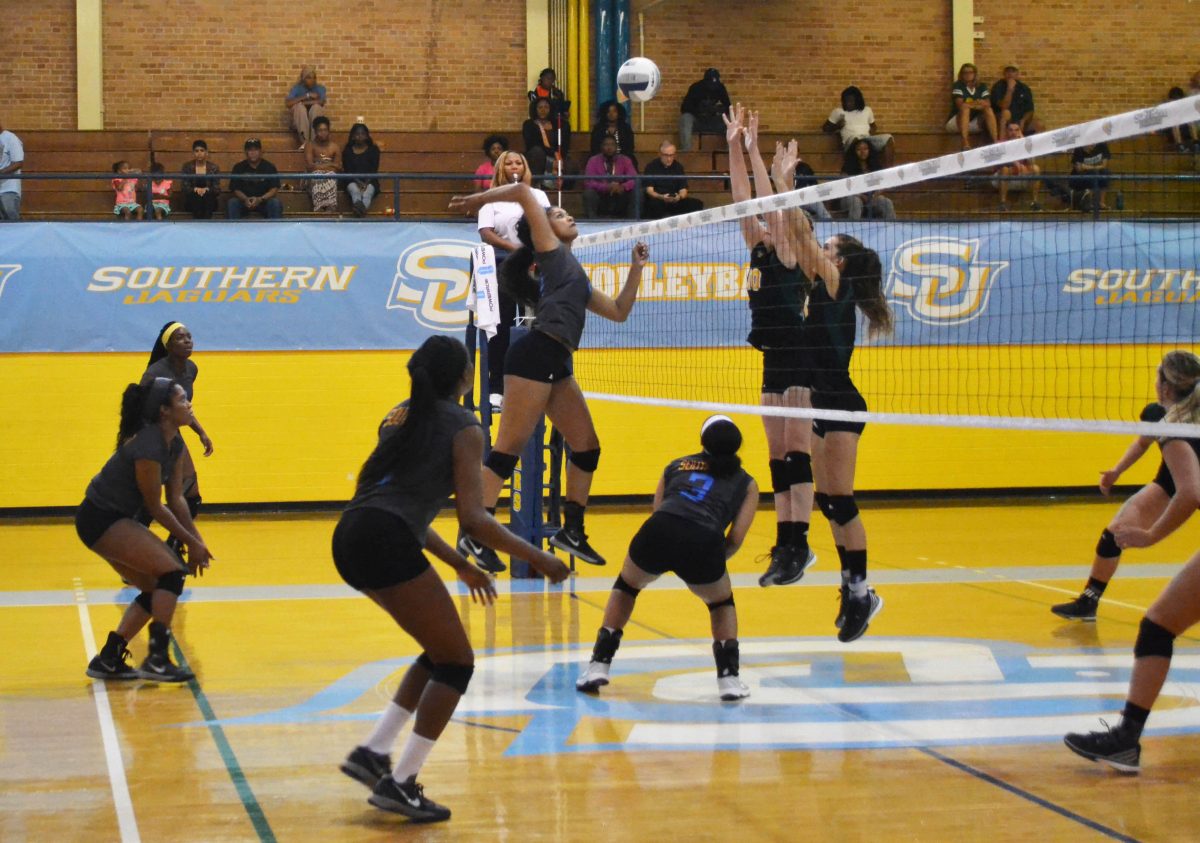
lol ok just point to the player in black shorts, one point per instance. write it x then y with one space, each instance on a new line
538 376
1177 609
1153 504
697 499
429 447
146 460
847 277
777 288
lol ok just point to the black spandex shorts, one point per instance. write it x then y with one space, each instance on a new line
669 543
538 357
92 522
848 399
373 549
1164 479
784 368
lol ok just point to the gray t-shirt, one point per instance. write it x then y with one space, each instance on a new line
162 369
691 492
417 492
115 488
562 307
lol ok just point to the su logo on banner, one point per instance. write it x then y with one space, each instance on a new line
432 280
941 280
7 270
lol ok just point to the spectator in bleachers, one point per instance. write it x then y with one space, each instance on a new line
306 102
200 194
493 146
854 119
254 195
805 177
12 156
608 197
126 206
861 158
545 142
1091 160
160 190
361 155
702 107
323 156
1023 167
971 107
559 106
1012 102
613 122
665 187
1182 136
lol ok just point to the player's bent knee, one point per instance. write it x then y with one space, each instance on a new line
779 476
799 468
456 676
1153 640
172 582
1107 547
145 600
501 464
842 509
821 503
721 604
585 460
425 662
622 584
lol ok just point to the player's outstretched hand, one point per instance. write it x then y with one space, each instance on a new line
1108 479
733 123
641 254
466 204
481 584
550 567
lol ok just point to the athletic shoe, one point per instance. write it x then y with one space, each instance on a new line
780 556
1114 747
366 766
483 556
407 798
360 210
731 688
1035 206
158 668
858 613
574 541
594 678
793 569
1082 608
843 595
112 667
496 400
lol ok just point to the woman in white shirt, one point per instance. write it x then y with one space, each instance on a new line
854 119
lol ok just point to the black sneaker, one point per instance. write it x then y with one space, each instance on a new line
1082 608
795 566
1114 747
407 798
158 668
858 612
574 541
780 558
843 595
112 667
364 765
483 556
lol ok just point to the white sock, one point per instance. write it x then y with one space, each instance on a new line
858 588
413 757
383 738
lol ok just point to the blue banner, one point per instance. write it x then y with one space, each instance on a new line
70 287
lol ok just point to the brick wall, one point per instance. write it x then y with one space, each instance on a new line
39 65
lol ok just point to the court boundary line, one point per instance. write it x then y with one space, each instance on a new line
122 801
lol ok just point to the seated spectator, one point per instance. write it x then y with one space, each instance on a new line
702 108
665 187
126 207
971 107
608 197
805 177
1012 101
1091 160
200 194
1182 136
257 193
323 156
861 158
160 190
12 157
493 147
613 122
854 119
1018 168
545 142
306 102
361 156
559 105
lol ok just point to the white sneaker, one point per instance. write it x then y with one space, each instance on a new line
593 678
732 688
497 402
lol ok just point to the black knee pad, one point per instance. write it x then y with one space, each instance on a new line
1153 640
1107 547
799 468
779 476
456 676
720 604
424 661
621 584
145 599
172 582
502 465
842 509
585 460
193 505
821 503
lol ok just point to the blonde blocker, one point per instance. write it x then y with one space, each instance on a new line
1181 371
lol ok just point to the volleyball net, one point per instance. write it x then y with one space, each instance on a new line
1052 317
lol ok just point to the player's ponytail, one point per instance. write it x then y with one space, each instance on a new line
141 405
864 272
515 280
720 438
436 369
1181 371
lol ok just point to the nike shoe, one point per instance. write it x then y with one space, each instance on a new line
858 613
780 558
843 596
112 667
731 688
407 798
1082 608
1115 747
366 766
158 668
793 567
574 541
483 556
594 678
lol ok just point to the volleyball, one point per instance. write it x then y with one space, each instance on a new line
639 79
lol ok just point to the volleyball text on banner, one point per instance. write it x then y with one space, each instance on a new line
484 295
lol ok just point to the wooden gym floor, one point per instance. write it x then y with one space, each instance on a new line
943 723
